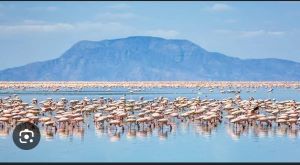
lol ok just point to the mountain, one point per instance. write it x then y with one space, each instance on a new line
150 58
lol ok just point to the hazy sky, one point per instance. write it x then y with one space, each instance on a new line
37 31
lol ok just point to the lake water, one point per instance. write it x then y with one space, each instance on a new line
187 142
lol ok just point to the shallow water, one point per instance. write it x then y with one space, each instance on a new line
187 142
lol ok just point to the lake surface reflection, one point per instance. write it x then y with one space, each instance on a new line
184 141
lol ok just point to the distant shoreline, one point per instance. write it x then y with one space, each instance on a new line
147 84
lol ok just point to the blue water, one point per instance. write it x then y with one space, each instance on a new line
187 142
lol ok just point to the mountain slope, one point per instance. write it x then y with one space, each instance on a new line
150 58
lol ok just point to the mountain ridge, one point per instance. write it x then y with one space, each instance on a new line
150 58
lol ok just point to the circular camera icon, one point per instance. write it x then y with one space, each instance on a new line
26 136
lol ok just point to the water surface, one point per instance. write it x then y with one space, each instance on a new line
188 142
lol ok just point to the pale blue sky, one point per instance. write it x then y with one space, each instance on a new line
37 31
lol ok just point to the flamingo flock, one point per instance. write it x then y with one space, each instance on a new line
143 116
139 85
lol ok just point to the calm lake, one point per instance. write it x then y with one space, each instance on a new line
187 142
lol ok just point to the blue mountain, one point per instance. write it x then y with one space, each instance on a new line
150 58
